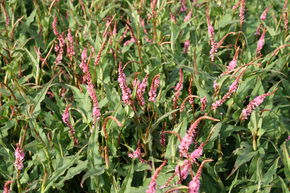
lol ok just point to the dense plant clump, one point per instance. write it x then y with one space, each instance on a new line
144 96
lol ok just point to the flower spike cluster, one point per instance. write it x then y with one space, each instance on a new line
153 186
154 85
19 157
126 91
253 105
141 87
194 184
233 87
188 138
90 86
66 120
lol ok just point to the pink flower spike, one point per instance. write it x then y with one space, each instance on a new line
253 105
264 14
90 86
126 92
19 157
188 16
54 24
70 46
153 186
135 154
7 186
261 42
153 89
194 184
191 133
211 34
233 88
140 91
242 11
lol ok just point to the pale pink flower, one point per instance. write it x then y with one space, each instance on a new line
90 86
233 87
186 46
54 24
70 46
242 11
232 65
191 133
60 47
188 16
132 40
19 157
236 5
7 186
126 92
153 89
253 105
211 34
182 170
140 91
194 184
264 14
153 186
261 42
135 154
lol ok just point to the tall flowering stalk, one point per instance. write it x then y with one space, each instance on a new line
19 157
194 184
253 105
178 89
264 14
60 48
153 89
54 26
261 43
211 36
126 91
7 186
153 186
66 120
141 87
90 86
188 16
233 87
70 45
232 65
183 170
191 133
242 11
